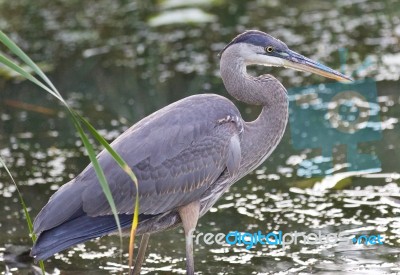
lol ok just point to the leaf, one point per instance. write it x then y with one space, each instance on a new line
129 171
77 119
27 216
99 171
7 62
18 52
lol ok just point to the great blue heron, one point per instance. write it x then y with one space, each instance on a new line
185 155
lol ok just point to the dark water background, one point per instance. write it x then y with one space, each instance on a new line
118 61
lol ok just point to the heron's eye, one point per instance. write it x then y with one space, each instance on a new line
269 49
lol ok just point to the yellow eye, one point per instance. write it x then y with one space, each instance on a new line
269 49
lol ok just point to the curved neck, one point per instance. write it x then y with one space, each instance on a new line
262 135
263 90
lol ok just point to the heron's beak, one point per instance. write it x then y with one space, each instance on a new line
299 62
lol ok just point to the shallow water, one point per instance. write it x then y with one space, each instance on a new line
119 62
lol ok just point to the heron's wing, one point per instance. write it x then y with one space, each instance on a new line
176 154
177 181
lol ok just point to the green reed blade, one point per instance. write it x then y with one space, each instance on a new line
27 216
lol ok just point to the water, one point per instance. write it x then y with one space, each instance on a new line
118 62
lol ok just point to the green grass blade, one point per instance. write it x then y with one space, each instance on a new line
127 170
7 62
18 52
77 119
27 216
108 147
99 171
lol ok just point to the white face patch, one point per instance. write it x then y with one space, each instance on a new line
252 55
267 60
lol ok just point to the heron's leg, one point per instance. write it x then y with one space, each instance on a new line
189 215
141 254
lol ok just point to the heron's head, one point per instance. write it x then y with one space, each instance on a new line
256 47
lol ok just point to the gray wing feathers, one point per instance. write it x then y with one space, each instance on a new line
172 183
64 203
234 155
176 154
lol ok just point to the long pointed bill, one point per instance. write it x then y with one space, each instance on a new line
299 62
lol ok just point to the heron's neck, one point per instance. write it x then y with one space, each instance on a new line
262 135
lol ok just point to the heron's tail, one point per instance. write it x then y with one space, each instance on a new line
75 231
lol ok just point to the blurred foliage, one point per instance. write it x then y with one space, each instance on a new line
119 31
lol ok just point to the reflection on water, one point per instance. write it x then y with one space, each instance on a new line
120 61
